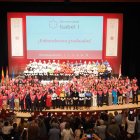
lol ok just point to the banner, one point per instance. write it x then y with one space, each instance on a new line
112 37
16 37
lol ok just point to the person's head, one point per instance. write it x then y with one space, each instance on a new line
54 125
6 123
115 113
14 125
131 117
113 121
101 122
67 126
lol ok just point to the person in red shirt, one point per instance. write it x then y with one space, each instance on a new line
99 97
33 100
39 105
58 91
135 93
22 102
48 100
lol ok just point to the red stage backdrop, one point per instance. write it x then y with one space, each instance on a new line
64 36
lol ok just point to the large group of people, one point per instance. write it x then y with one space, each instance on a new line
52 68
102 125
86 88
78 93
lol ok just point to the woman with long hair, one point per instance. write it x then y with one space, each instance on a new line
67 133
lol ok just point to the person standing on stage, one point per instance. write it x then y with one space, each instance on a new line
43 99
128 89
68 98
81 99
58 101
48 100
54 99
94 97
124 95
11 99
5 100
34 101
28 101
75 97
109 96
57 91
119 94
100 97
88 97
16 101
22 101
135 93
39 103
114 95
105 95
62 99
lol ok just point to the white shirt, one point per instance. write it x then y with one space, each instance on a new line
7 129
131 126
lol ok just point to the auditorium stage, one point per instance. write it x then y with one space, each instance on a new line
84 111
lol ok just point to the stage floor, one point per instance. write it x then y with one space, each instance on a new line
111 108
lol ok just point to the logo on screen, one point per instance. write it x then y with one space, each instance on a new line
52 24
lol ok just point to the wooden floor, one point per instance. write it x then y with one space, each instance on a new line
92 109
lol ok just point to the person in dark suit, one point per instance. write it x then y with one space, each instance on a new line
75 97
28 101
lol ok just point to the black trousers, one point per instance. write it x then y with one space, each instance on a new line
100 101
54 103
22 105
58 103
39 105
105 99
33 107
62 103
135 98
68 103
75 104
28 106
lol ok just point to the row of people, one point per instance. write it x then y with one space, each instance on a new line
85 91
67 68
98 126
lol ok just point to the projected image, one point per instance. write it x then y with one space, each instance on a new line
64 36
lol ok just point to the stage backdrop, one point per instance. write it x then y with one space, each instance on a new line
64 36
